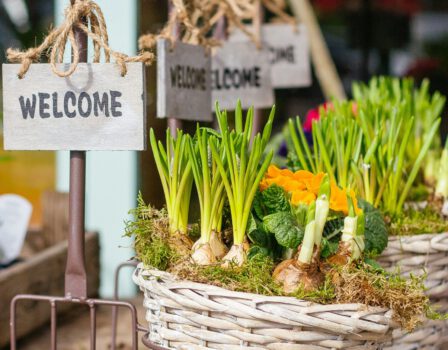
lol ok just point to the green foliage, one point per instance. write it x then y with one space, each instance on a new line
272 224
375 229
333 228
328 247
271 200
262 242
300 213
285 228
331 236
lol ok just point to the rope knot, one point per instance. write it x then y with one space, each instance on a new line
86 16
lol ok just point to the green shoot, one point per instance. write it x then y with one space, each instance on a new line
176 177
353 231
316 219
442 180
238 161
366 143
210 189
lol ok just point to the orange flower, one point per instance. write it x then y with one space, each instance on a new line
304 197
304 187
303 175
338 199
313 184
273 171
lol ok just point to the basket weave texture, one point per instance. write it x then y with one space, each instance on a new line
432 335
196 316
418 254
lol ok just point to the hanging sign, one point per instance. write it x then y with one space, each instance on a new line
289 53
95 108
15 214
241 71
183 81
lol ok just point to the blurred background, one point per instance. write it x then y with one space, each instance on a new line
365 38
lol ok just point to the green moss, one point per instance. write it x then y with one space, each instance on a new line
418 193
413 222
253 277
370 286
149 228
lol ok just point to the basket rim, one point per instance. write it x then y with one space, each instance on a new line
420 235
142 275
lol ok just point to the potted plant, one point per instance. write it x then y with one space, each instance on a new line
279 255
384 144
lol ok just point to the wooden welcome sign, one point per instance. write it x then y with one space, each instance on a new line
183 81
95 108
241 71
289 54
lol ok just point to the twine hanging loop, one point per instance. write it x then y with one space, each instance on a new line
192 21
88 17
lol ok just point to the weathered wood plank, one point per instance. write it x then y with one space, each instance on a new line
241 71
183 81
42 273
54 217
289 53
93 109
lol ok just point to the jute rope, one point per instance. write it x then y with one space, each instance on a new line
277 7
57 38
192 21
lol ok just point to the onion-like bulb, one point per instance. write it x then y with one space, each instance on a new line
218 248
236 256
202 254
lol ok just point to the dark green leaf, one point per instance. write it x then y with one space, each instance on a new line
259 237
274 200
251 224
300 213
257 205
285 228
376 236
329 248
374 264
333 228
257 251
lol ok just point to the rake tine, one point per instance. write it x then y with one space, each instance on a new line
53 325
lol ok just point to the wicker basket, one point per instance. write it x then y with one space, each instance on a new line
432 335
419 254
188 315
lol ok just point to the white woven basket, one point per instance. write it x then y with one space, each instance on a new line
418 254
432 335
188 315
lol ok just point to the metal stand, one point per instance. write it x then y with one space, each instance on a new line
75 273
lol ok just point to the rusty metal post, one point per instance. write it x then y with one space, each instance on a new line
75 272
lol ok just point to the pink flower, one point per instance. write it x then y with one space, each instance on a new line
313 114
